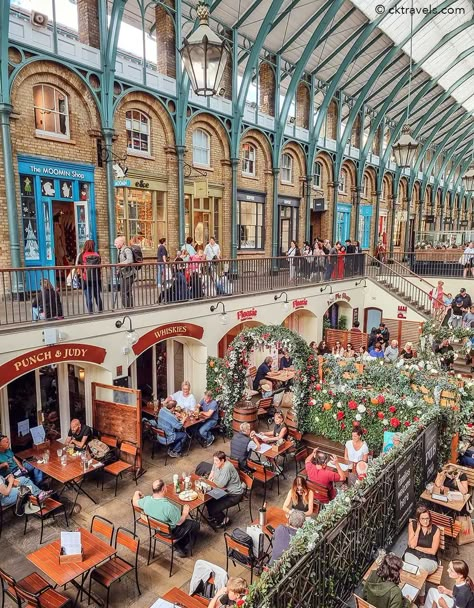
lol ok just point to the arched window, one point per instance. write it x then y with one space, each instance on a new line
51 111
286 168
318 175
342 188
137 125
249 159
201 148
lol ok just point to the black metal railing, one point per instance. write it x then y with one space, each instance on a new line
437 263
52 292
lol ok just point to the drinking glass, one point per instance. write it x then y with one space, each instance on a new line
59 452
64 460
46 456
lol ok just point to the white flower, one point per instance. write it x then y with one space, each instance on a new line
410 403
316 419
361 408
324 390
385 422
339 404
358 417
334 416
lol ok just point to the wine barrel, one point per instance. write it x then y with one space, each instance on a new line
245 411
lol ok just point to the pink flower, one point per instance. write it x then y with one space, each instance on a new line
395 422
352 405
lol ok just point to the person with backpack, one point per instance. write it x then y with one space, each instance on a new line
126 271
89 262
10 490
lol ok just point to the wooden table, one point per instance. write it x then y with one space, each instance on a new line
453 505
417 580
46 559
272 455
181 598
197 504
283 375
149 411
70 476
275 517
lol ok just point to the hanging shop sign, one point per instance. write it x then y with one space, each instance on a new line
49 355
404 489
170 330
246 315
402 312
319 205
355 316
300 303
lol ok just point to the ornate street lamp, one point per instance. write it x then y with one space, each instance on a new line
468 179
406 148
204 56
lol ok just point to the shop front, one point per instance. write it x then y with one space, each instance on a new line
343 222
250 220
288 211
48 386
57 211
319 206
203 211
365 221
141 210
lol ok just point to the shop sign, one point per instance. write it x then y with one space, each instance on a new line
319 205
246 315
163 332
300 303
47 356
339 296
57 172
402 312
404 489
201 188
122 183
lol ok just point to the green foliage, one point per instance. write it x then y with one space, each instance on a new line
342 322
214 372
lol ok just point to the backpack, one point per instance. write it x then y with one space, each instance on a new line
24 493
137 254
92 259
244 539
99 450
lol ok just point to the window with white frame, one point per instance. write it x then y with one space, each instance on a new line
286 168
137 125
248 159
342 187
366 187
51 111
318 175
201 148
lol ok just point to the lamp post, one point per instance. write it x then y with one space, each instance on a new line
204 55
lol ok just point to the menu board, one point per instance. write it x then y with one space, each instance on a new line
430 451
404 489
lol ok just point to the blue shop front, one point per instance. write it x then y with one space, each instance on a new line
57 211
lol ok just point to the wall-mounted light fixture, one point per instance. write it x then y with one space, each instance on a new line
324 287
364 281
285 302
81 374
223 317
132 336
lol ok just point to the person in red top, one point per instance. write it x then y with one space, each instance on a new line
316 468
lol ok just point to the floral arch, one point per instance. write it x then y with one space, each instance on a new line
234 367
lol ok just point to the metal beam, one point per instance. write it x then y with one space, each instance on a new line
322 9
367 66
336 51
247 14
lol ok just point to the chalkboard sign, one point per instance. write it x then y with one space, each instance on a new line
431 451
404 489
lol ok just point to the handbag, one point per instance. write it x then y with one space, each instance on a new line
206 589
466 535
24 493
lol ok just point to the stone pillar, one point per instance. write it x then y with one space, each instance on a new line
302 106
88 20
165 40
267 88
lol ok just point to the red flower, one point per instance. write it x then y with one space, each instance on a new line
365 431
340 415
415 419
352 405
313 378
318 387
406 423
470 425
381 399
392 409
343 426
331 393
395 422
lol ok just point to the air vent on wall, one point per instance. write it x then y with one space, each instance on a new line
39 19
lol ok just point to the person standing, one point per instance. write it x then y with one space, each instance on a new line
292 252
319 261
126 271
187 250
307 261
161 259
350 259
468 259
89 259
331 261
212 252
437 298
338 272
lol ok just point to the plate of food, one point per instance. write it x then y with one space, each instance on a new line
188 495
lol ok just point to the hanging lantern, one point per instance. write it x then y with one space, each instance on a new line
468 179
406 148
204 56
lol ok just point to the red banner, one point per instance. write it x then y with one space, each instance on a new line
48 355
163 332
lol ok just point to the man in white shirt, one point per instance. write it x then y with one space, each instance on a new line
212 250
184 398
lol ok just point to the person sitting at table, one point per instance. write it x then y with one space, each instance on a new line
262 371
9 487
210 413
461 595
338 350
283 534
175 435
299 497
323 348
381 589
376 351
229 595
183 528
184 398
407 352
225 476
241 446
453 479
316 468
285 361
359 475
356 449
349 352
423 542
79 434
9 463
280 431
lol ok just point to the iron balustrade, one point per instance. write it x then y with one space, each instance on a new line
437 263
24 293
328 575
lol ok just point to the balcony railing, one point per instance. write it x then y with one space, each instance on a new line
57 292
433 262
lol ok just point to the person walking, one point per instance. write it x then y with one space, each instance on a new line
161 258
307 261
126 271
437 299
89 262
292 252
319 261
212 253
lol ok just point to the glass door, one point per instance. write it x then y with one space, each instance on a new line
81 216
202 227
77 397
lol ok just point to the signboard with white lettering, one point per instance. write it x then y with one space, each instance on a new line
431 451
404 490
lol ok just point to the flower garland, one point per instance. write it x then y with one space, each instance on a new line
236 362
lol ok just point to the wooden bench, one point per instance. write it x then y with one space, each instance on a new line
435 578
323 444
469 474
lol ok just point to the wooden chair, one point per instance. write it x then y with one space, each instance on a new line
161 533
300 457
264 406
103 527
435 578
111 441
251 373
48 507
117 567
448 526
119 467
139 518
321 493
33 582
245 556
157 432
220 427
264 476
248 481
360 603
50 598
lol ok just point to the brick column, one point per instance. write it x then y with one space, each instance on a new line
165 40
226 82
302 106
267 88
88 19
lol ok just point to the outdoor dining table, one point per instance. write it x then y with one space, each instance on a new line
451 505
406 578
71 475
283 375
273 453
275 517
178 597
197 504
94 550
